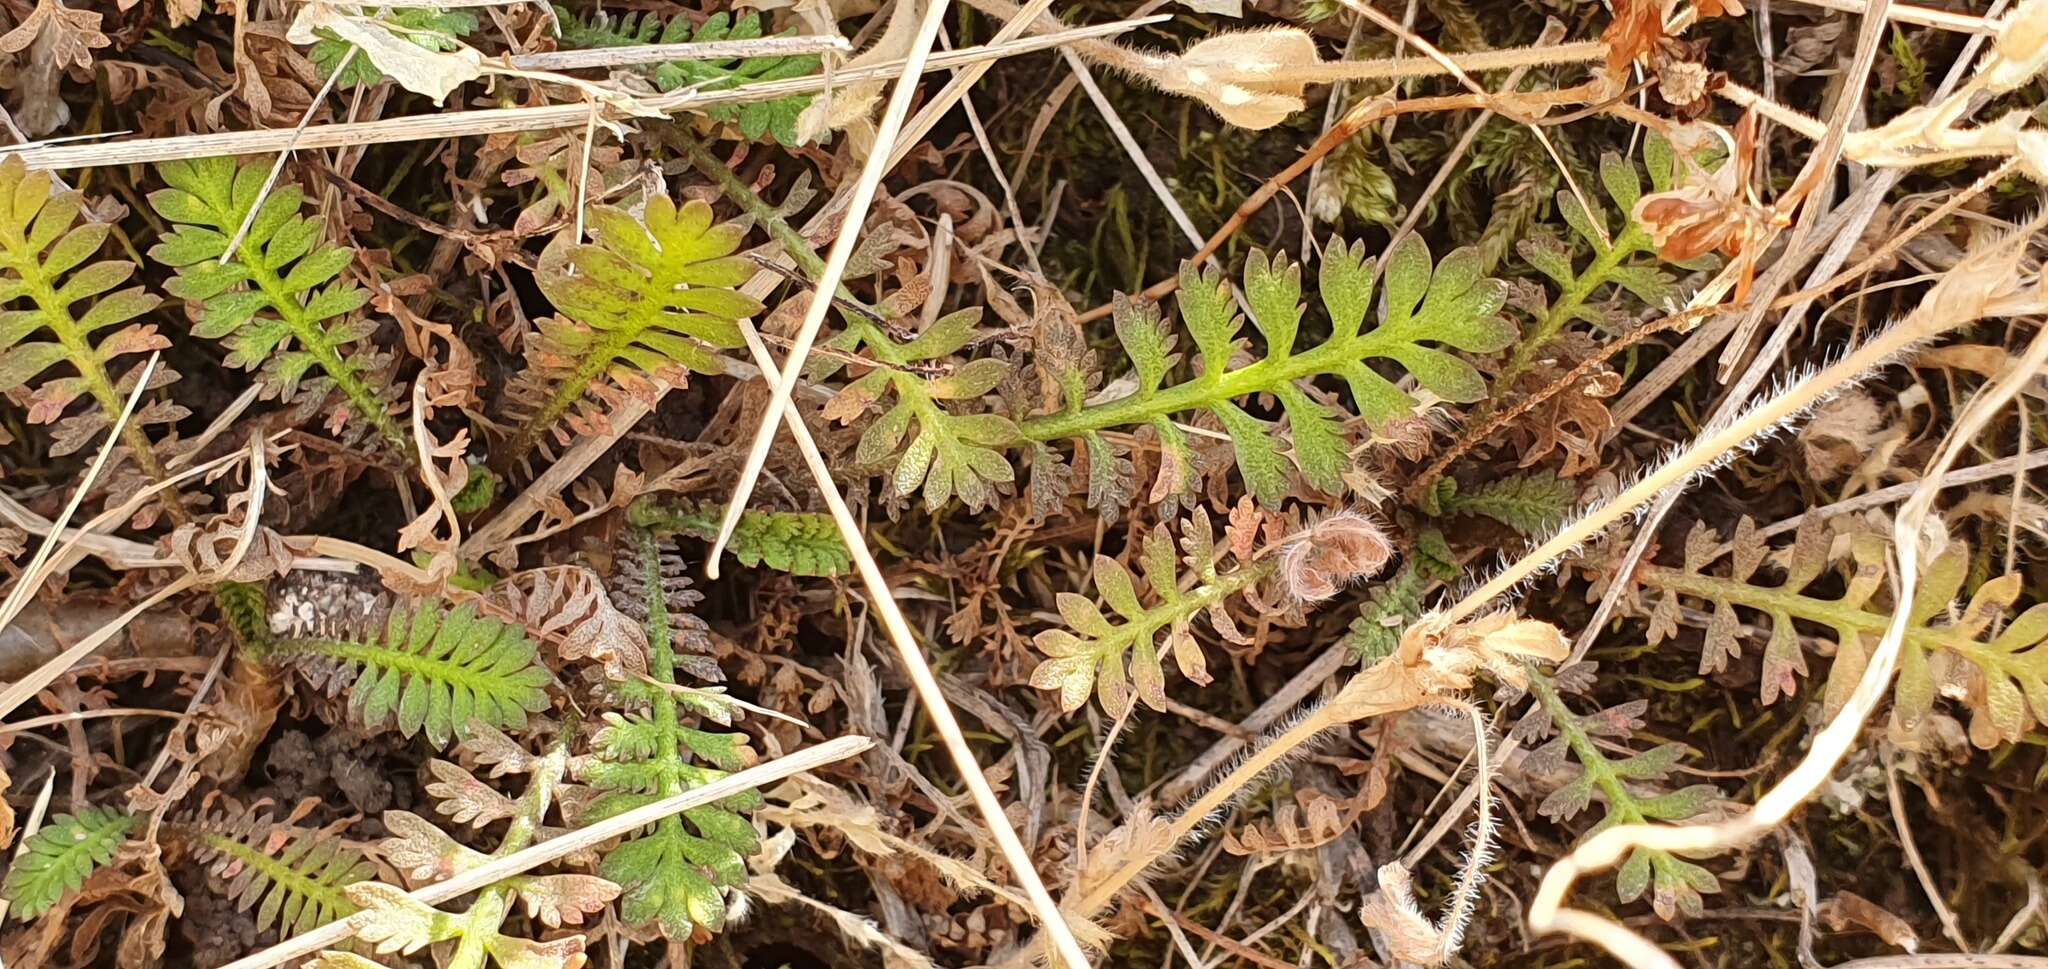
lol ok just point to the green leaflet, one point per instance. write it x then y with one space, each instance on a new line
247 611
643 300
277 302
434 669
674 874
1677 883
57 859
951 454
1117 658
756 119
1529 503
1430 311
2003 677
295 883
51 286
1392 606
1623 254
797 542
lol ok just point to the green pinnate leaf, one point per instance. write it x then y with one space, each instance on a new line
1621 785
1118 659
2003 677
52 284
650 297
291 880
1432 310
58 858
430 668
278 291
674 875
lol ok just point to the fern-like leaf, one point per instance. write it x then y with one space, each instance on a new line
390 920
1116 658
797 542
1623 254
57 859
952 453
1452 305
643 301
428 667
2002 677
1392 606
296 880
1674 883
756 119
277 302
50 286
673 875
1528 503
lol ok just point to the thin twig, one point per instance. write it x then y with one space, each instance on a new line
499 869
455 124
1364 113
1970 293
695 50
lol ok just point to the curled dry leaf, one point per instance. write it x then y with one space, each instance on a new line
1437 660
56 38
852 107
1410 935
1842 431
567 605
1634 32
415 68
1249 78
1713 211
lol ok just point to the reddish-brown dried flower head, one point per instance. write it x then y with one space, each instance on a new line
1330 553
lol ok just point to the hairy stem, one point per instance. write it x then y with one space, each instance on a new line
1712 446
1212 800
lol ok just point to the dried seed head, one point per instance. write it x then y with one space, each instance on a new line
1321 559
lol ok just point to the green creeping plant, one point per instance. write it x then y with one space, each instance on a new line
1675 884
652 298
52 284
1117 656
278 300
797 542
296 880
423 665
57 859
1999 670
674 874
1431 310
1450 304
